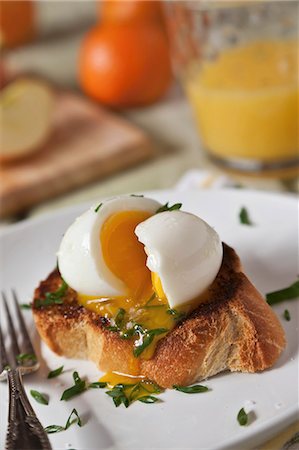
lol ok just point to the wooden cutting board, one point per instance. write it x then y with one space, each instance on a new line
87 143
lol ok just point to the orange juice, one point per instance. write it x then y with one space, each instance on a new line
246 101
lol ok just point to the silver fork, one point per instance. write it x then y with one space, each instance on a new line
24 429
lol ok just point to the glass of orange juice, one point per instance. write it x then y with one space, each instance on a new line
238 62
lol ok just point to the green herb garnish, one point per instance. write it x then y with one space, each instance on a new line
127 333
118 395
26 305
23 357
148 304
70 421
150 300
148 399
119 318
242 417
119 322
40 398
288 293
57 428
128 393
112 328
48 302
136 195
244 217
135 391
53 298
122 393
97 385
287 315
147 338
177 315
54 429
77 388
55 373
98 207
196 389
166 207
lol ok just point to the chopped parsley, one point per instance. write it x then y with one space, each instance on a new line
119 318
55 373
53 298
40 398
70 421
98 207
125 394
145 336
289 293
26 305
166 207
77 388
149 305
244 217
97 385
177 315
287 315
242 417
196 389
54 429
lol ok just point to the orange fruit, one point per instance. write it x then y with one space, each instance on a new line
116 11
16 22
125 65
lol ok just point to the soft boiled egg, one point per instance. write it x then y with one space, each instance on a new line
141 266
100 255
123 248
184 255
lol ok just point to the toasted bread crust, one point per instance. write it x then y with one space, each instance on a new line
235 330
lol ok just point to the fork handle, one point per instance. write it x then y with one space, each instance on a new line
24 429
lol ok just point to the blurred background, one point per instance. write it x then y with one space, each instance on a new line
106 97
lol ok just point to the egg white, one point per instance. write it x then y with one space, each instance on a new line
184 251
80 257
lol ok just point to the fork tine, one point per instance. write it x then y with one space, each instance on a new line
3 354
11 330
26 341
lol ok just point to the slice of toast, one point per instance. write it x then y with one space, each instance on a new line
235 330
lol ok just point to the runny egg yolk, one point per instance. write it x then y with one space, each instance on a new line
134 387
157 286
125 256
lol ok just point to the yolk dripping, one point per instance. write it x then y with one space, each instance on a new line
144 387
113 378
123 253
157 286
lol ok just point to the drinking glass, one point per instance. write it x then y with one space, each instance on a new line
238 63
